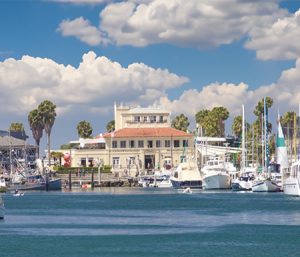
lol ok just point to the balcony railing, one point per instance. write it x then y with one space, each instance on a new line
146 122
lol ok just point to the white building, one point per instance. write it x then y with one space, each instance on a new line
143 139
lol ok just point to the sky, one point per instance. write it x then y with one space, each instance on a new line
181 55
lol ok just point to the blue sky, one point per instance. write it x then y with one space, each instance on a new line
183 55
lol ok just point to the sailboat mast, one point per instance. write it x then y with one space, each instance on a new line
295 137
266 135
262 143
243 139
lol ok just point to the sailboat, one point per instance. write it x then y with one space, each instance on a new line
264 183
246 177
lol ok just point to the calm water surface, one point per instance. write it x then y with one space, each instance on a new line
139 222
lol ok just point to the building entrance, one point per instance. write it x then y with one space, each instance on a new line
149 162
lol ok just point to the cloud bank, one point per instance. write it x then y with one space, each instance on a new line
188 23
96 82
285 93
271 31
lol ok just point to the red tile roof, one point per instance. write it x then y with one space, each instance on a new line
147 132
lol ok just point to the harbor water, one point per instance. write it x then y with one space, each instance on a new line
150 222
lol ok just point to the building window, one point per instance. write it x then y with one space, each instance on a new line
114 144
167 143
158 144
185 143
116 162
176 143
145 118
152 119
161 119
137 118
83 162
91 162
131 143
141 143
123 144
150 144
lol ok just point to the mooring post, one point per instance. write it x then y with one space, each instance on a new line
92 178
70 180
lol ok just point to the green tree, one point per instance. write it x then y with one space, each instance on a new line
287 122
257 125
212 123
16 126
57 156
110 126
36 124
48 113
220 115
237 126
84 129
200 119
180 122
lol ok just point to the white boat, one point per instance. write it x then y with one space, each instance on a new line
244 182
262 184
187 191
165 183
2 184
186 175
291 185
247 174
215 175
2 209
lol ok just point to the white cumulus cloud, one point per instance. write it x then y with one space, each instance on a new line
97 82
285 93
200 24
81 1
83 30
279 41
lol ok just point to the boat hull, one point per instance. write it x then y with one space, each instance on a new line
185 184
216 181
291 187
241 186
265 186
54 184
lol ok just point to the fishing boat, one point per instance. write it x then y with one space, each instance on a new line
38 182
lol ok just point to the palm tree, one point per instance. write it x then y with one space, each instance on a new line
84 129
36 125
237 126
287 122
258 111
220 114
200 118
180 122
47 111
110 126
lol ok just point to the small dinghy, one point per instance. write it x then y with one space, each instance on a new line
187 191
